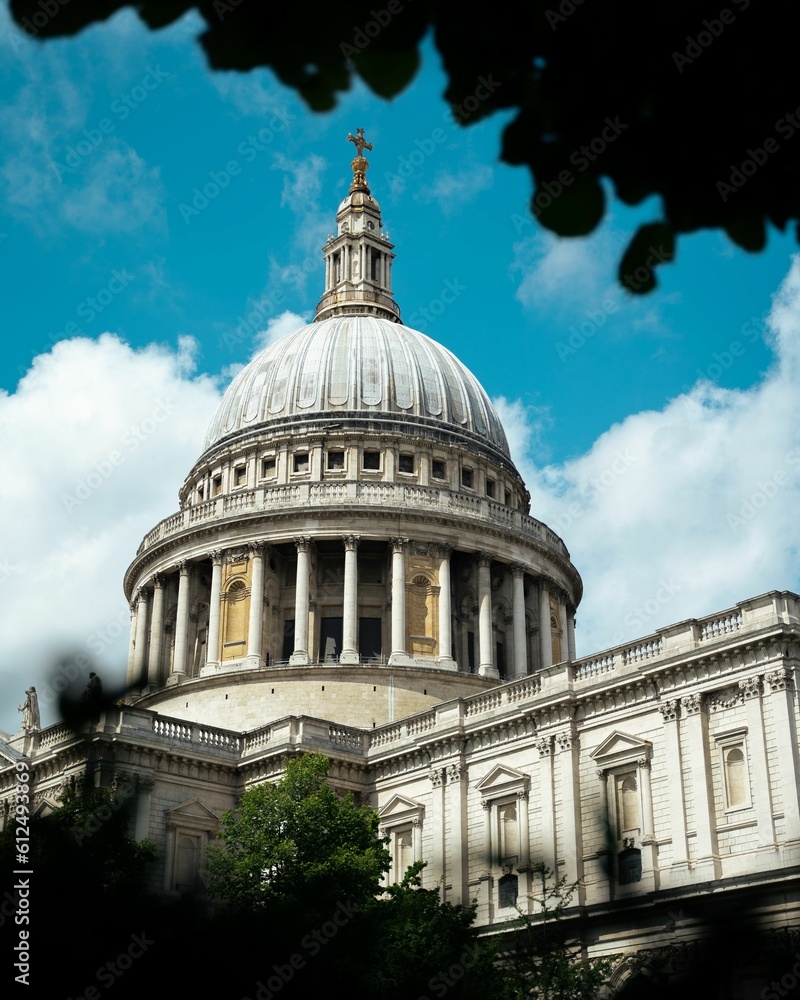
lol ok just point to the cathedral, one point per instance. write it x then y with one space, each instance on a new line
354 570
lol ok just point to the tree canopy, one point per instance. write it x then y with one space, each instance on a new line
697 104
298 844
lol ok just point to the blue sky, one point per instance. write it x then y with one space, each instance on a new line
644 426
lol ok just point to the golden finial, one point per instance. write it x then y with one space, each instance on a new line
359 164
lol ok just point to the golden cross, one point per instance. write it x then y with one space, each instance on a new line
360 141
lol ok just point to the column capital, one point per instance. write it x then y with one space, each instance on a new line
545 746
691 704
398 544
436 774
517 569
781 679
545 586
158 580
564 740
485 558
443 550
141 595
303 542
750 687
257 547
351 542
456 771
669 709
216 556
182 567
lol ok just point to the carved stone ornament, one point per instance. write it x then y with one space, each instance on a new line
564 741
669 709
545 746
455 771
692 704
750 687
436 774
780 680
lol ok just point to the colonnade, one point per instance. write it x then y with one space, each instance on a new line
148 614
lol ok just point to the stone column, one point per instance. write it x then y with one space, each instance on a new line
762 805
486 667
677 803
571 634
349 652
144 791
214 609
445 657
456 829
301 605
255 626
518 620
181 623
648 839
781 687
156 633
130 676
437 866
695 725
571 825
398 654
562 621
139 661
548 816
545 635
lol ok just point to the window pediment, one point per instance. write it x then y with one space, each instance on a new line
620 748
399 810
502 780
192 815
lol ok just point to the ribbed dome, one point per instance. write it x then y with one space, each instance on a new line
357 364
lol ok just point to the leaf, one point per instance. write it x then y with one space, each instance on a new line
387 73
653 244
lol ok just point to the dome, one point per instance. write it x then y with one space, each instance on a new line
357 364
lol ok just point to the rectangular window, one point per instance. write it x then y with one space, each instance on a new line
438 469
372 461
268 468
466 478
199 492
403 851
336 460
507 500
626 788
405 463
490 487
216 486
301 463
240 475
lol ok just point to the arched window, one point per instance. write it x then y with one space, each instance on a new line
236 612
736 777
508 890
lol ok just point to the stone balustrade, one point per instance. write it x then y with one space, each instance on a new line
354 494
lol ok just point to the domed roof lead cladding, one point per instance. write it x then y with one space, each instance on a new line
357 364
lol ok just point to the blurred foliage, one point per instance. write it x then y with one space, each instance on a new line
695 103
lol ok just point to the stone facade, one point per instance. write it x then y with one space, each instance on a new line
354 570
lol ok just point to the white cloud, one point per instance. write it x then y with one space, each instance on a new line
684 511
452 190
96 440
121 194
278 327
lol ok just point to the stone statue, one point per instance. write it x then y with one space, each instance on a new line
94 691
30 711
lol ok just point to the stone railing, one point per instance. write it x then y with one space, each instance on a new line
352 493
768 609
202 737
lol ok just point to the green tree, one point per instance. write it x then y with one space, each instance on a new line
296 844
541 961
